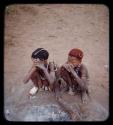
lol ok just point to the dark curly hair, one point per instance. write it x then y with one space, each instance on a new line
40 53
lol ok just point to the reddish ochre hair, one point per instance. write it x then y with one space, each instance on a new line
76 53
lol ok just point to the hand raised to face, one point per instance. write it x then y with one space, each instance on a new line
51 64
38 63
41 66
69 67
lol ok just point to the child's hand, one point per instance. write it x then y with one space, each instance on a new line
68 67
36 62
41 66
52 66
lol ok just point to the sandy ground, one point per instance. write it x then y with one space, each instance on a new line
57 28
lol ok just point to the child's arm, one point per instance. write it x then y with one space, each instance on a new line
81 81
50 76
27 77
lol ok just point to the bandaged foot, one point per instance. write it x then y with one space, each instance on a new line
33 91
46 88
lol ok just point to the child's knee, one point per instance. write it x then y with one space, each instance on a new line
35 75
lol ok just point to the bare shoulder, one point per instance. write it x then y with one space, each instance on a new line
83 67
84 71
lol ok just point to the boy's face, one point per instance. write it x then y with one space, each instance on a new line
73 60
38 61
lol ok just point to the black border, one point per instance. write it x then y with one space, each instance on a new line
5 3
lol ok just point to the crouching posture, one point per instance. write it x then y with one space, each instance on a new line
41 73
75 74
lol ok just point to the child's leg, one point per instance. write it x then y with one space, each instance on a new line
84 94
52 87
67 78
45 84
35 77
69 85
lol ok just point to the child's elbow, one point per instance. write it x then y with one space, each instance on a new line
25 80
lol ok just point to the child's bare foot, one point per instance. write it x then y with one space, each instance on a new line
41 89
84 99
71 92
33 91
50 89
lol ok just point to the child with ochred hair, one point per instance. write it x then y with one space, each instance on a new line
75 74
